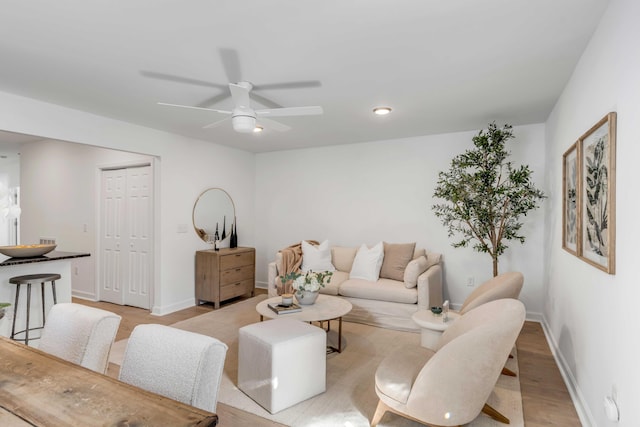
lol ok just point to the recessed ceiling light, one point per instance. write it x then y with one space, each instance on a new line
258 129
382 111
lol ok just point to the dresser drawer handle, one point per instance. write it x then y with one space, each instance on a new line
237 284
238 255
238 269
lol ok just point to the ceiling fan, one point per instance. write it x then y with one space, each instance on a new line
243 117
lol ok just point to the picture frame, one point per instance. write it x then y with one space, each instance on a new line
570 197
596 150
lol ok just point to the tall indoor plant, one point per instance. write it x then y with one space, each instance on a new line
486 195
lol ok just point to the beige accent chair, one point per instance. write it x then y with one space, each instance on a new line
80 334
506 285
449 386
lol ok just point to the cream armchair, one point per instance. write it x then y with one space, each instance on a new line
450 385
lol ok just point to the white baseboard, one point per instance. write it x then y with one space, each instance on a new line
161 311
262 285
89 296
584 413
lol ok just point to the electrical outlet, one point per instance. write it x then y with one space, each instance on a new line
471 282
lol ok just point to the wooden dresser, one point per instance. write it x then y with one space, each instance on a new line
224 274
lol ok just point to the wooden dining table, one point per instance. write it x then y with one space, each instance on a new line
38 389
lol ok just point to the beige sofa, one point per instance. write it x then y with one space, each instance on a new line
387 303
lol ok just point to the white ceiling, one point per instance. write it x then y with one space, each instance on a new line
443 65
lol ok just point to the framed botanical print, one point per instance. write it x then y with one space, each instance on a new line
596 189
570 215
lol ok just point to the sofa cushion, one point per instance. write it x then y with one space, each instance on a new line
433 258
396 258
342 258
367 263
316 258
418 253
414 269
382 290
336 280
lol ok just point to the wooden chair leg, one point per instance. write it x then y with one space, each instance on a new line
380 411
508 372
495 414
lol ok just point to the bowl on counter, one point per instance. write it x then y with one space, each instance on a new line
26 251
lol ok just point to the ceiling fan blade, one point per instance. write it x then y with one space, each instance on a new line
231 64
240 95
265 101
216 124
194 108
290 111
215 99
289 85
272 124
179 79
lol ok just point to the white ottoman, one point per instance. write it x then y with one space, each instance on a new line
281 362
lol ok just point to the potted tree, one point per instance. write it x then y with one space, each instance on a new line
3 306
486 195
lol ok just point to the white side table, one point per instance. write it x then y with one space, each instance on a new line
432 326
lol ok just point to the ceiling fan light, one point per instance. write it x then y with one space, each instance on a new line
382 111
244 124
258 129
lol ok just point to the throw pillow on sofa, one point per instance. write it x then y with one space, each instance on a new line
414 269
367 263
316 258
396 258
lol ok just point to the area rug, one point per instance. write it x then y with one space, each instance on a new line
350 399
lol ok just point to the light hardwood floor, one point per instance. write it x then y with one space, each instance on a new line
545 398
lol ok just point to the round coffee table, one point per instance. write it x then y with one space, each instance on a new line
325 309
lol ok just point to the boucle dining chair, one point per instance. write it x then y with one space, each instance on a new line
450 385
178 364
80 334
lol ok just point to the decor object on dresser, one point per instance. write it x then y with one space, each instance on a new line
281 362
184 366
80 334
486 195
506 285
224 274
212 208
596 159
450 385
381 301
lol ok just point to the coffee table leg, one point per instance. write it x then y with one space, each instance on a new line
340 335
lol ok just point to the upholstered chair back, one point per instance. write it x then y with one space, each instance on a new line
178 364
507 285
80 334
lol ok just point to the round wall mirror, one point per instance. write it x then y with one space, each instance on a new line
214 207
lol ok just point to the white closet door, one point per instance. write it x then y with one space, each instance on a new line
113 232
138 281
126 220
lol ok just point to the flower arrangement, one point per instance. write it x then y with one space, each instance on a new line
310 281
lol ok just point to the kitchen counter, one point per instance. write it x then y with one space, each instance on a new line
54 262
51 256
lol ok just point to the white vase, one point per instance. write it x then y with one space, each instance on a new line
306 297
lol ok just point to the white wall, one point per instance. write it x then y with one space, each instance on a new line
59 198
185 167
591 316
365 193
